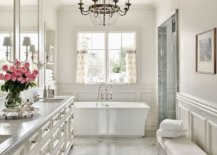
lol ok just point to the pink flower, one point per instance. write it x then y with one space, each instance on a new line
23 81
5 68
18 73
32 78
12 69
23 69
17 63
27 79
28 74
20 78
13 78
1 76
26 65
7 77
35 72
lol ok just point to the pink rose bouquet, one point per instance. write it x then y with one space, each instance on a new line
17 77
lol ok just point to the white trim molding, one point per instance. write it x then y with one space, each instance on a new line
200 120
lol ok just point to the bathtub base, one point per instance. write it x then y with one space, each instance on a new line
110 122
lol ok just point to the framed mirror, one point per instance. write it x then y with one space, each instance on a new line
6 31
29 32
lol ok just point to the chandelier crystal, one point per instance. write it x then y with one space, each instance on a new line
104 12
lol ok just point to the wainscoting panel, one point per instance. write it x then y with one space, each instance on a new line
212 141
198 129
201 117
184 115
124 93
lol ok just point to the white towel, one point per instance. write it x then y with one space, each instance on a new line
169 124
170 134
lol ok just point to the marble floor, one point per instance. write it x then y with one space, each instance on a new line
114 146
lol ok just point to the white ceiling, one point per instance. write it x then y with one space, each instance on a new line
75 2
72 2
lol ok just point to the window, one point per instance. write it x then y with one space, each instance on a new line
94 44
104 57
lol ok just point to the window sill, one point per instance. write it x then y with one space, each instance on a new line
98 84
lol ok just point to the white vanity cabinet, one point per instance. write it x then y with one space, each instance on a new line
54 137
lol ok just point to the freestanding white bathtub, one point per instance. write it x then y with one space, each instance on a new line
115 119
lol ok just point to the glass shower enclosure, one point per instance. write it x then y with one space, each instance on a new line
168 68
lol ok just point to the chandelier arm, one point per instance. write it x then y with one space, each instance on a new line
81 8
122 13
85 12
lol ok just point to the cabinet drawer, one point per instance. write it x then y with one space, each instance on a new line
56 119
62 130
59 153
33 141
62 148
68 108
46 149
56 138
19 151
46 129
62 112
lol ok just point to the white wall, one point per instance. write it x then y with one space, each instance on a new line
70 21
142 20
50 13
195 16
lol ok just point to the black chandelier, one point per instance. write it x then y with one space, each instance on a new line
104 12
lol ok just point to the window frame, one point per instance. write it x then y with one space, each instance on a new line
106 71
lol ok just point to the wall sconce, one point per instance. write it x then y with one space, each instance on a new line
27 43
7 43
33 51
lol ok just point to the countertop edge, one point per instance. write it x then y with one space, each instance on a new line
25 136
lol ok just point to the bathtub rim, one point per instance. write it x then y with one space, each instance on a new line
145 105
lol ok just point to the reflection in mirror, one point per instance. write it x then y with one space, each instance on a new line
50 39
29 32
6 31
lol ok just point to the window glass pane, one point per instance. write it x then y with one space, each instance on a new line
128 40
114 40
84 41
96 66
117 66
98 41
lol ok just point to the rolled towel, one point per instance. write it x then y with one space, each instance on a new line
170 133
169 124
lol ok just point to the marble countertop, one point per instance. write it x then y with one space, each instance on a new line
20 129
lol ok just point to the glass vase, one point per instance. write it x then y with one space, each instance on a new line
13 100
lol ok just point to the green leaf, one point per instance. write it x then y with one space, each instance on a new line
3 88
